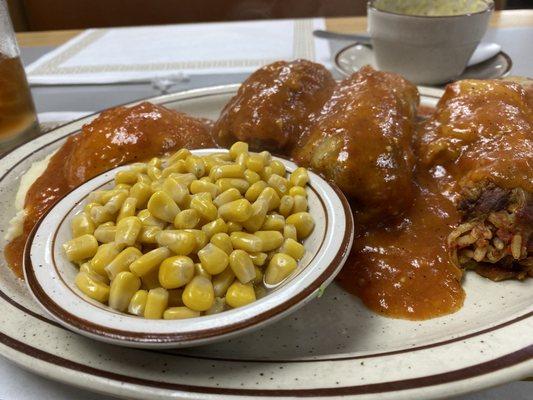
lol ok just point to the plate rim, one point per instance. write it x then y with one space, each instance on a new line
44 366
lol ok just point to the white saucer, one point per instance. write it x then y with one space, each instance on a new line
350 58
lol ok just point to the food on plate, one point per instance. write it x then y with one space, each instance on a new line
361 140
118 136
274 106
481 138
188 235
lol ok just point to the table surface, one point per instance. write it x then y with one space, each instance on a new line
507 28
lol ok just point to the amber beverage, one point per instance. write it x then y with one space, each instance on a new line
18 121
17 113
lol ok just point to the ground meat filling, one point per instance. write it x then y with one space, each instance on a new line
495 238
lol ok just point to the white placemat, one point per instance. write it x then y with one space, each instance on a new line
153 52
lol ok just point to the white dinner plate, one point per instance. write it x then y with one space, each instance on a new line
332 347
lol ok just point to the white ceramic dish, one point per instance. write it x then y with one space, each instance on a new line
50 276
332 347
351 58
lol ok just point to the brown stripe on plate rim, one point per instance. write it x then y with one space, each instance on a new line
509 360
125 336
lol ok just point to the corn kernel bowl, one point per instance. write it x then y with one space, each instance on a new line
51 276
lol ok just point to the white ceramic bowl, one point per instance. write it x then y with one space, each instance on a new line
50 276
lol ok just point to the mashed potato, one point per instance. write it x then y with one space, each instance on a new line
17 222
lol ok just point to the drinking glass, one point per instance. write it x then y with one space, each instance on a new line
18 121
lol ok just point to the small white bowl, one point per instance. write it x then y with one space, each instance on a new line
50 276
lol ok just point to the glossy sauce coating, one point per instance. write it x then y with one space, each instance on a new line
118 136
274 106
361 140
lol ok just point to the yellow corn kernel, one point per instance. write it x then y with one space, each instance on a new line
271 197
299 177
239 294
258 259
227 196
162 206
156 186
82 224
274 222
89 207
92 287
297 191
87 267
149 262
251 177
149 234
242 266
258 280
143 178
206 179
180 313
115 202
175 297
200 237
156 162
105 233
199 186
280 184
293 248
128 208
104 255
236 211
289 232
127 176
148 219
212 161
226 171
123 186
271 240
184 179
187 219
177 167
214 227
174 189
238 148
186 202
227 183
267 157
266 173
101 214
255 190
156 303
278 168
218 306
259 211
138 303
234 227
128 230
242 159
176 272
181 154
122 289
199 294
200 270
213 259
300 204
222 241
122 261
153 173
303 222
222 282
255 163
246 241
280 267
150 280
141 191
179 241
81 248
103 196
286 204
204 206
195 165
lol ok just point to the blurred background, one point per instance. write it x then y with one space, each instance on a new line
38 15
